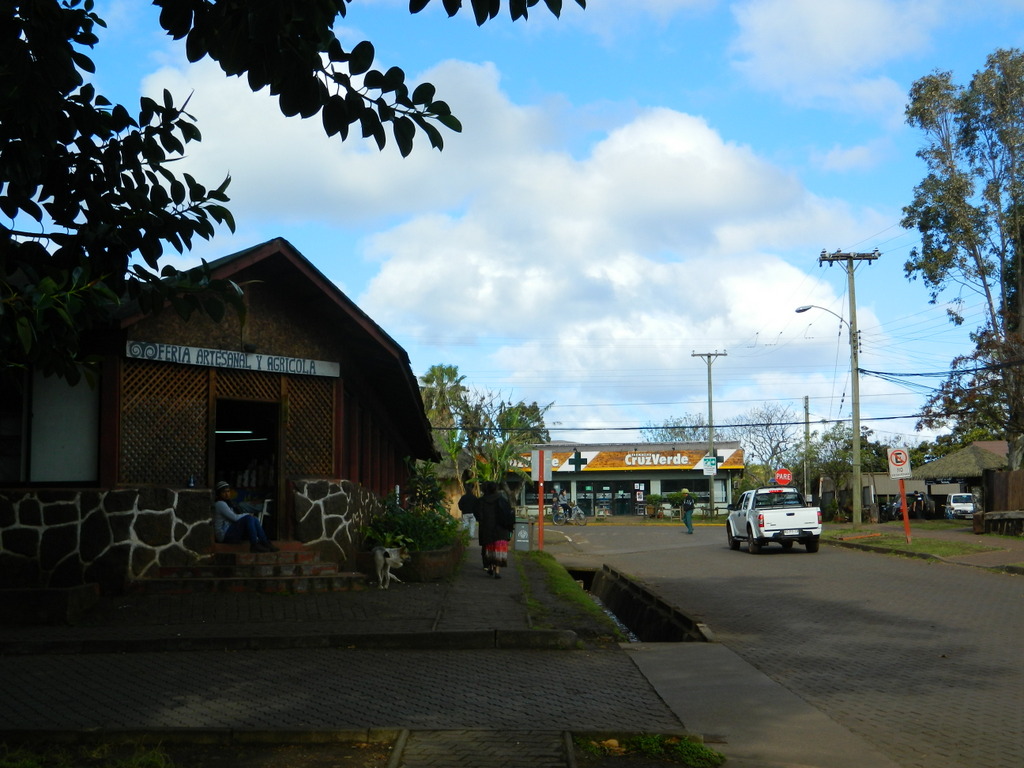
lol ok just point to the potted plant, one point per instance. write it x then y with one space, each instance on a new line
654 504
434 539
676 500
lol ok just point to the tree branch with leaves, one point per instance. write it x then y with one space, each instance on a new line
86 185
969 210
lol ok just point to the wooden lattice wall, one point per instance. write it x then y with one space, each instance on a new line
164 417
309 427
165 420
248 385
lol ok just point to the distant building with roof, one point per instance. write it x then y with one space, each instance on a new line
616 478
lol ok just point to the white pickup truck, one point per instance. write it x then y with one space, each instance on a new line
775 513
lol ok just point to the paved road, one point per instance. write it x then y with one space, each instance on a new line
921 659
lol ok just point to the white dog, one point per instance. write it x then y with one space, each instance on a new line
386 558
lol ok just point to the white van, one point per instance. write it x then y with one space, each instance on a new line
962 505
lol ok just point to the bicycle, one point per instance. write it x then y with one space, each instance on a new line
575 516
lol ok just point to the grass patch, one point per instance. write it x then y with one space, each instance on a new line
646 522
655 746
92 756
934 525
563 587
920 545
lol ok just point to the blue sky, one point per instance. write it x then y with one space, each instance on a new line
635 183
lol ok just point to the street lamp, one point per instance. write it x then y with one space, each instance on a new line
855 387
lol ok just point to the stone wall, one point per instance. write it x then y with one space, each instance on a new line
330 516
54 538
68 537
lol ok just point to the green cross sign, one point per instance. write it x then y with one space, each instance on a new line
577 461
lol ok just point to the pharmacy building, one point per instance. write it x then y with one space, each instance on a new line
616 478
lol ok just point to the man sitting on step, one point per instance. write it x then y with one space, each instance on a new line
231 525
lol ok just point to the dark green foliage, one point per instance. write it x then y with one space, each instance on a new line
88 192
86 189
424 523
969 211
671 749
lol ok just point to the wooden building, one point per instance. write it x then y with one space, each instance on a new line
308 407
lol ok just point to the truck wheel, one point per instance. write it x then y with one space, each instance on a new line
812 544
753 545
787 544
734 543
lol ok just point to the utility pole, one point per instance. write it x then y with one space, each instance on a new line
849 259
709 358
807 446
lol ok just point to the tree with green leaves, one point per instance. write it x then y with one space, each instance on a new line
444 399
481 435
88 195
831 458
969 210
443 394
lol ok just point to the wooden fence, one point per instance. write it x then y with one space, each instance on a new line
1004 490
1004 503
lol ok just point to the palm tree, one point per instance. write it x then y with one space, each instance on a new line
445 402
443 395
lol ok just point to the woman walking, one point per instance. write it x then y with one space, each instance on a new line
496 519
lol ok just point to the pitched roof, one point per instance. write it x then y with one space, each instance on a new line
971 461
382 360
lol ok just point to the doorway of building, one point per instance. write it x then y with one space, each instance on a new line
246 449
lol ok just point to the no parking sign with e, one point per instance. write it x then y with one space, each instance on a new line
899 463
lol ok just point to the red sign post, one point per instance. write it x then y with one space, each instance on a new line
899 468
541 472
783 476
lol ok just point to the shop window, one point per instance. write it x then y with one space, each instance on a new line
64 433
13 413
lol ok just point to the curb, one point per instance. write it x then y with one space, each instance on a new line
1011 569
212 736
881 550
396 737
454 640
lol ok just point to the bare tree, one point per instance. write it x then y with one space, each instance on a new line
768 434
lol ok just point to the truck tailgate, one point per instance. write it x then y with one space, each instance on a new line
786 519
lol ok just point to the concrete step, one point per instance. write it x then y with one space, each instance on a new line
263 570
343 581
233 568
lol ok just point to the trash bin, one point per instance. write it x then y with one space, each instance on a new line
523 537
978 522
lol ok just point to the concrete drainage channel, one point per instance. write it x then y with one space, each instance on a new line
647 617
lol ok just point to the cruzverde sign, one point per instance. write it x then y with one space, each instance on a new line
227 358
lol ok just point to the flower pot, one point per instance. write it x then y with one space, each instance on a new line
432 565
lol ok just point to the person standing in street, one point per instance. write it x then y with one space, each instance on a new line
497 521
688 506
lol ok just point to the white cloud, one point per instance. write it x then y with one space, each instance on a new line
604 269
662 238
860 158
831 54
287 166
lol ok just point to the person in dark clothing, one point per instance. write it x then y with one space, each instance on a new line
469 504
232 525
497 520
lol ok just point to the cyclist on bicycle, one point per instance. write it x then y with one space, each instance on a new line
563 502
